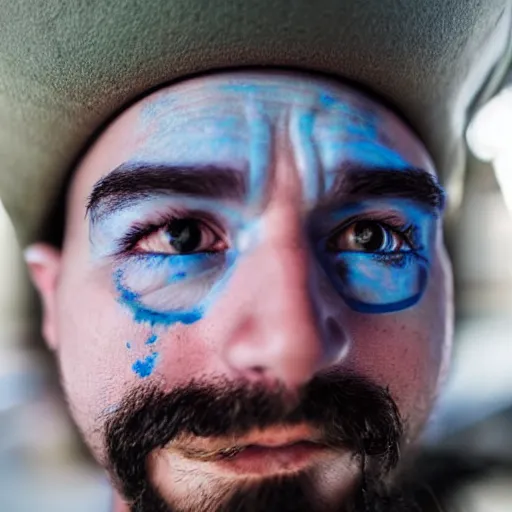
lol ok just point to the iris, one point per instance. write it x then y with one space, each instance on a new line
184 235
370 236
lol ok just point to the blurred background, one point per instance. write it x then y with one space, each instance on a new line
43 467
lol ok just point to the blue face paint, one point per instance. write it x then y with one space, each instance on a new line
260 147
152 111
346 134
152 339
302 128
148 286
171 133
111 227
327 100
368 153
144 314
240 130
145 367
380 282
384 280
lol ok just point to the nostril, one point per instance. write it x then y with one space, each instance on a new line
258 370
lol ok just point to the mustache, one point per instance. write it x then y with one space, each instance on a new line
349 411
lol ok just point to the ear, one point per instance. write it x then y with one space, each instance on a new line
44 262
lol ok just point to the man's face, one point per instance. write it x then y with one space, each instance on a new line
250 261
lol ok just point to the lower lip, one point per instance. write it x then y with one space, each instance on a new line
261 460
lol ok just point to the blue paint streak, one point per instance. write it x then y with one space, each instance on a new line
144 367
387 280
326 100
152 339
259 150
370 152
380 282
311 163
142 314
173 268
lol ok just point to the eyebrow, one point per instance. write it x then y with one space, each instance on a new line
409 183
133 181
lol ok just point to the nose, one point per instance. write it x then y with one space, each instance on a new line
282 326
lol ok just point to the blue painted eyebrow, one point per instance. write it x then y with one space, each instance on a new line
405 183
133 181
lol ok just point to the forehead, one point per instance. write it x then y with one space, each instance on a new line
232 118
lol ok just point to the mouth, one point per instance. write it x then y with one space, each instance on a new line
262 453
258 459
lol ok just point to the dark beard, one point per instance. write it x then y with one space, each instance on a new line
352 414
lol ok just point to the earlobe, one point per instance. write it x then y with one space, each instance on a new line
43 262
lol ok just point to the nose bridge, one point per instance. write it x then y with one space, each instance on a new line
288 340
287 268
298 305
283 262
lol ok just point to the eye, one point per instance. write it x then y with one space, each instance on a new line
368 236
182 236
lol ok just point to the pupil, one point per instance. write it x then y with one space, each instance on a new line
184 235
370 236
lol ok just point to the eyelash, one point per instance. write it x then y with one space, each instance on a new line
139 231
394 223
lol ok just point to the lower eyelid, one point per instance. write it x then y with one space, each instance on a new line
397 260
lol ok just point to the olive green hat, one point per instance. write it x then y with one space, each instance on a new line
67 66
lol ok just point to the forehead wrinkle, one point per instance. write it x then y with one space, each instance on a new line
241 118
347 120
353 135
311 88
185 110
301 128
194 121
202 130
261 149
202 134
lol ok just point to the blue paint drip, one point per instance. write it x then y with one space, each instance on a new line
152 339
144 367
151 317
128 345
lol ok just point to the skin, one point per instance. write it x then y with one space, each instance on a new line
272 312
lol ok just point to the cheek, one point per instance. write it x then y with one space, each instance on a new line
407 351
104 353
94 359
